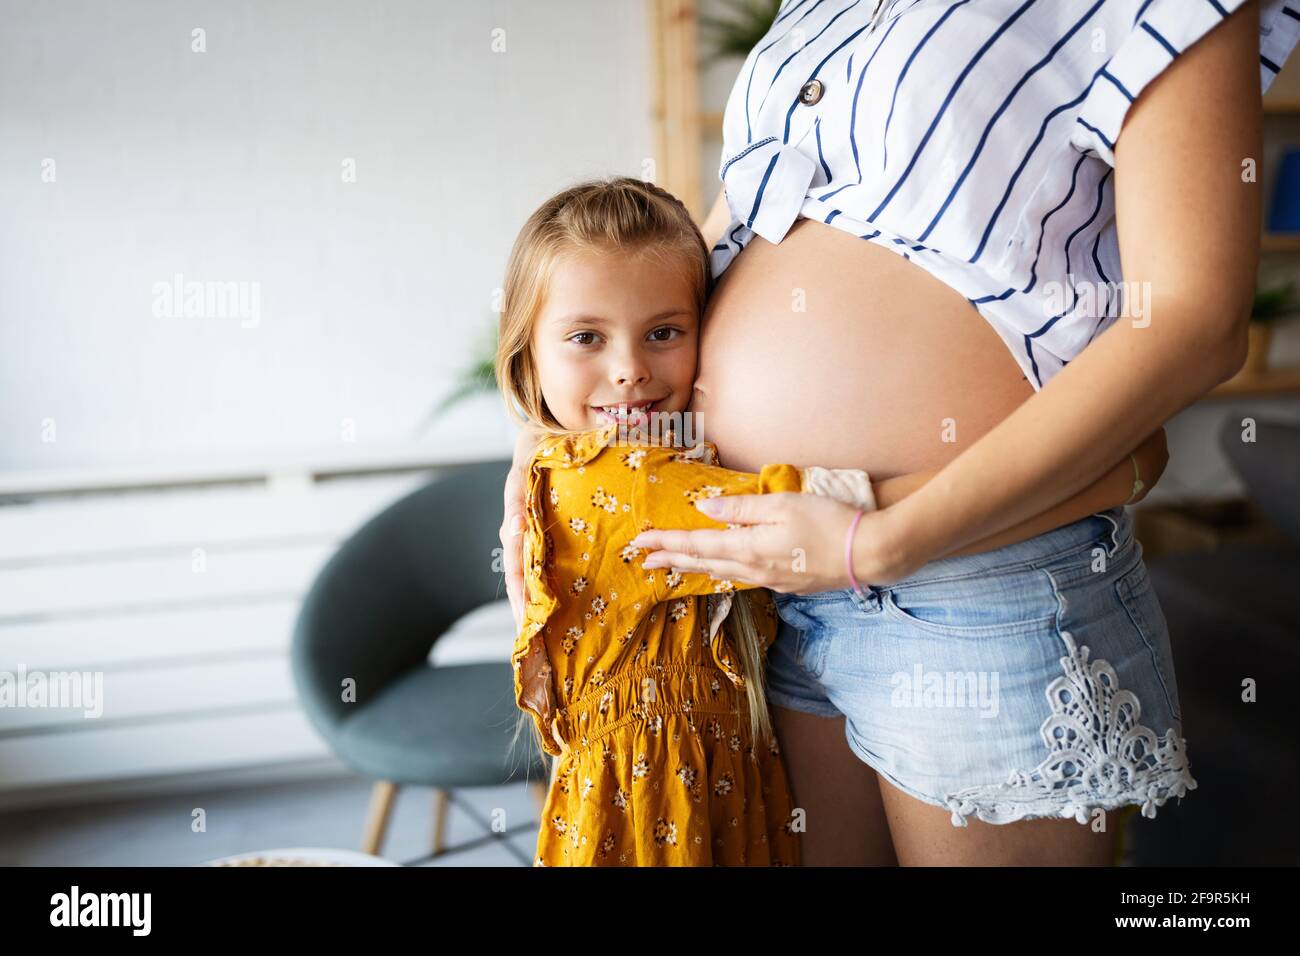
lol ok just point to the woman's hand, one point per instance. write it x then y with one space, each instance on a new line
1152 457
789 542
512 526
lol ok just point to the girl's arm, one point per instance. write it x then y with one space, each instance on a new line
1111 489
512 524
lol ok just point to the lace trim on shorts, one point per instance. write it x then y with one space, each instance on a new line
1099 755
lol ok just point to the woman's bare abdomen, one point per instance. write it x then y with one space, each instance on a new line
829 350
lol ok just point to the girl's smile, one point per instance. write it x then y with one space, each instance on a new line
634 412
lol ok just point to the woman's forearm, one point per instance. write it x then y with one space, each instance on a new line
1058 444
1111 489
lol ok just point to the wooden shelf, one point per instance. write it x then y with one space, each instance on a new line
1203 526
674 83
1280 242
1282 104
1272 381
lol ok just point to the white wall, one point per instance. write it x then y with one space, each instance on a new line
227 166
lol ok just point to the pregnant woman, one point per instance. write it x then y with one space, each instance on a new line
1007 240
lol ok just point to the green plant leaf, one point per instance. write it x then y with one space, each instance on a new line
1274 303
735 35
477 378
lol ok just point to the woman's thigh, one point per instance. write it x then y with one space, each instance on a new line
923 835
839 795
1022 688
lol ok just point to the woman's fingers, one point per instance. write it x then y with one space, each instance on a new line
718 569
730 509
724 553
512 542
512 565
703 543
747 509
512 528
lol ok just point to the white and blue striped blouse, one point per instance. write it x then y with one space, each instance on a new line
973 137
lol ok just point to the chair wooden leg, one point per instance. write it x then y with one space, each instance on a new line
382 795
439 819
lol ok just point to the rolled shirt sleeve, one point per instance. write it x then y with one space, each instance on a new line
1160 32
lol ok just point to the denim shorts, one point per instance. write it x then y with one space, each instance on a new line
1033 680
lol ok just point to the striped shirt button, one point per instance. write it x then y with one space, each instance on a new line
811 93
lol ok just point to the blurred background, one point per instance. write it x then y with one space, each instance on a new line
250 261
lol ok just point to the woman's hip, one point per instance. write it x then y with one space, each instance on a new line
980 667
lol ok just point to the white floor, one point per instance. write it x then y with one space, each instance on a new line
158 831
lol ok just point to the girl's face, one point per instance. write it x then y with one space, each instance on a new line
615 329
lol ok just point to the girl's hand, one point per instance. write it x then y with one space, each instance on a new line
789 542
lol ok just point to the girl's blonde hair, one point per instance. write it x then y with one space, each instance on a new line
624 216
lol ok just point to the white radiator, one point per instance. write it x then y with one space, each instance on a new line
179 604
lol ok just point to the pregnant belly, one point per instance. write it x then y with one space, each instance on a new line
828 350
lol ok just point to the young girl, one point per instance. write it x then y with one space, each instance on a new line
646 684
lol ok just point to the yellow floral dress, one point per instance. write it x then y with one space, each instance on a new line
631 679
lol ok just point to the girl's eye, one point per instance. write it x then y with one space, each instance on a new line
578 335
666 328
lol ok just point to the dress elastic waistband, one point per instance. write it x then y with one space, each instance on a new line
646 693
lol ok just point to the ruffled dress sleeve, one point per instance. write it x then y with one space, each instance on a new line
533 678
569 477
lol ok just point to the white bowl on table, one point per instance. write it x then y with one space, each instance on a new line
302 856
